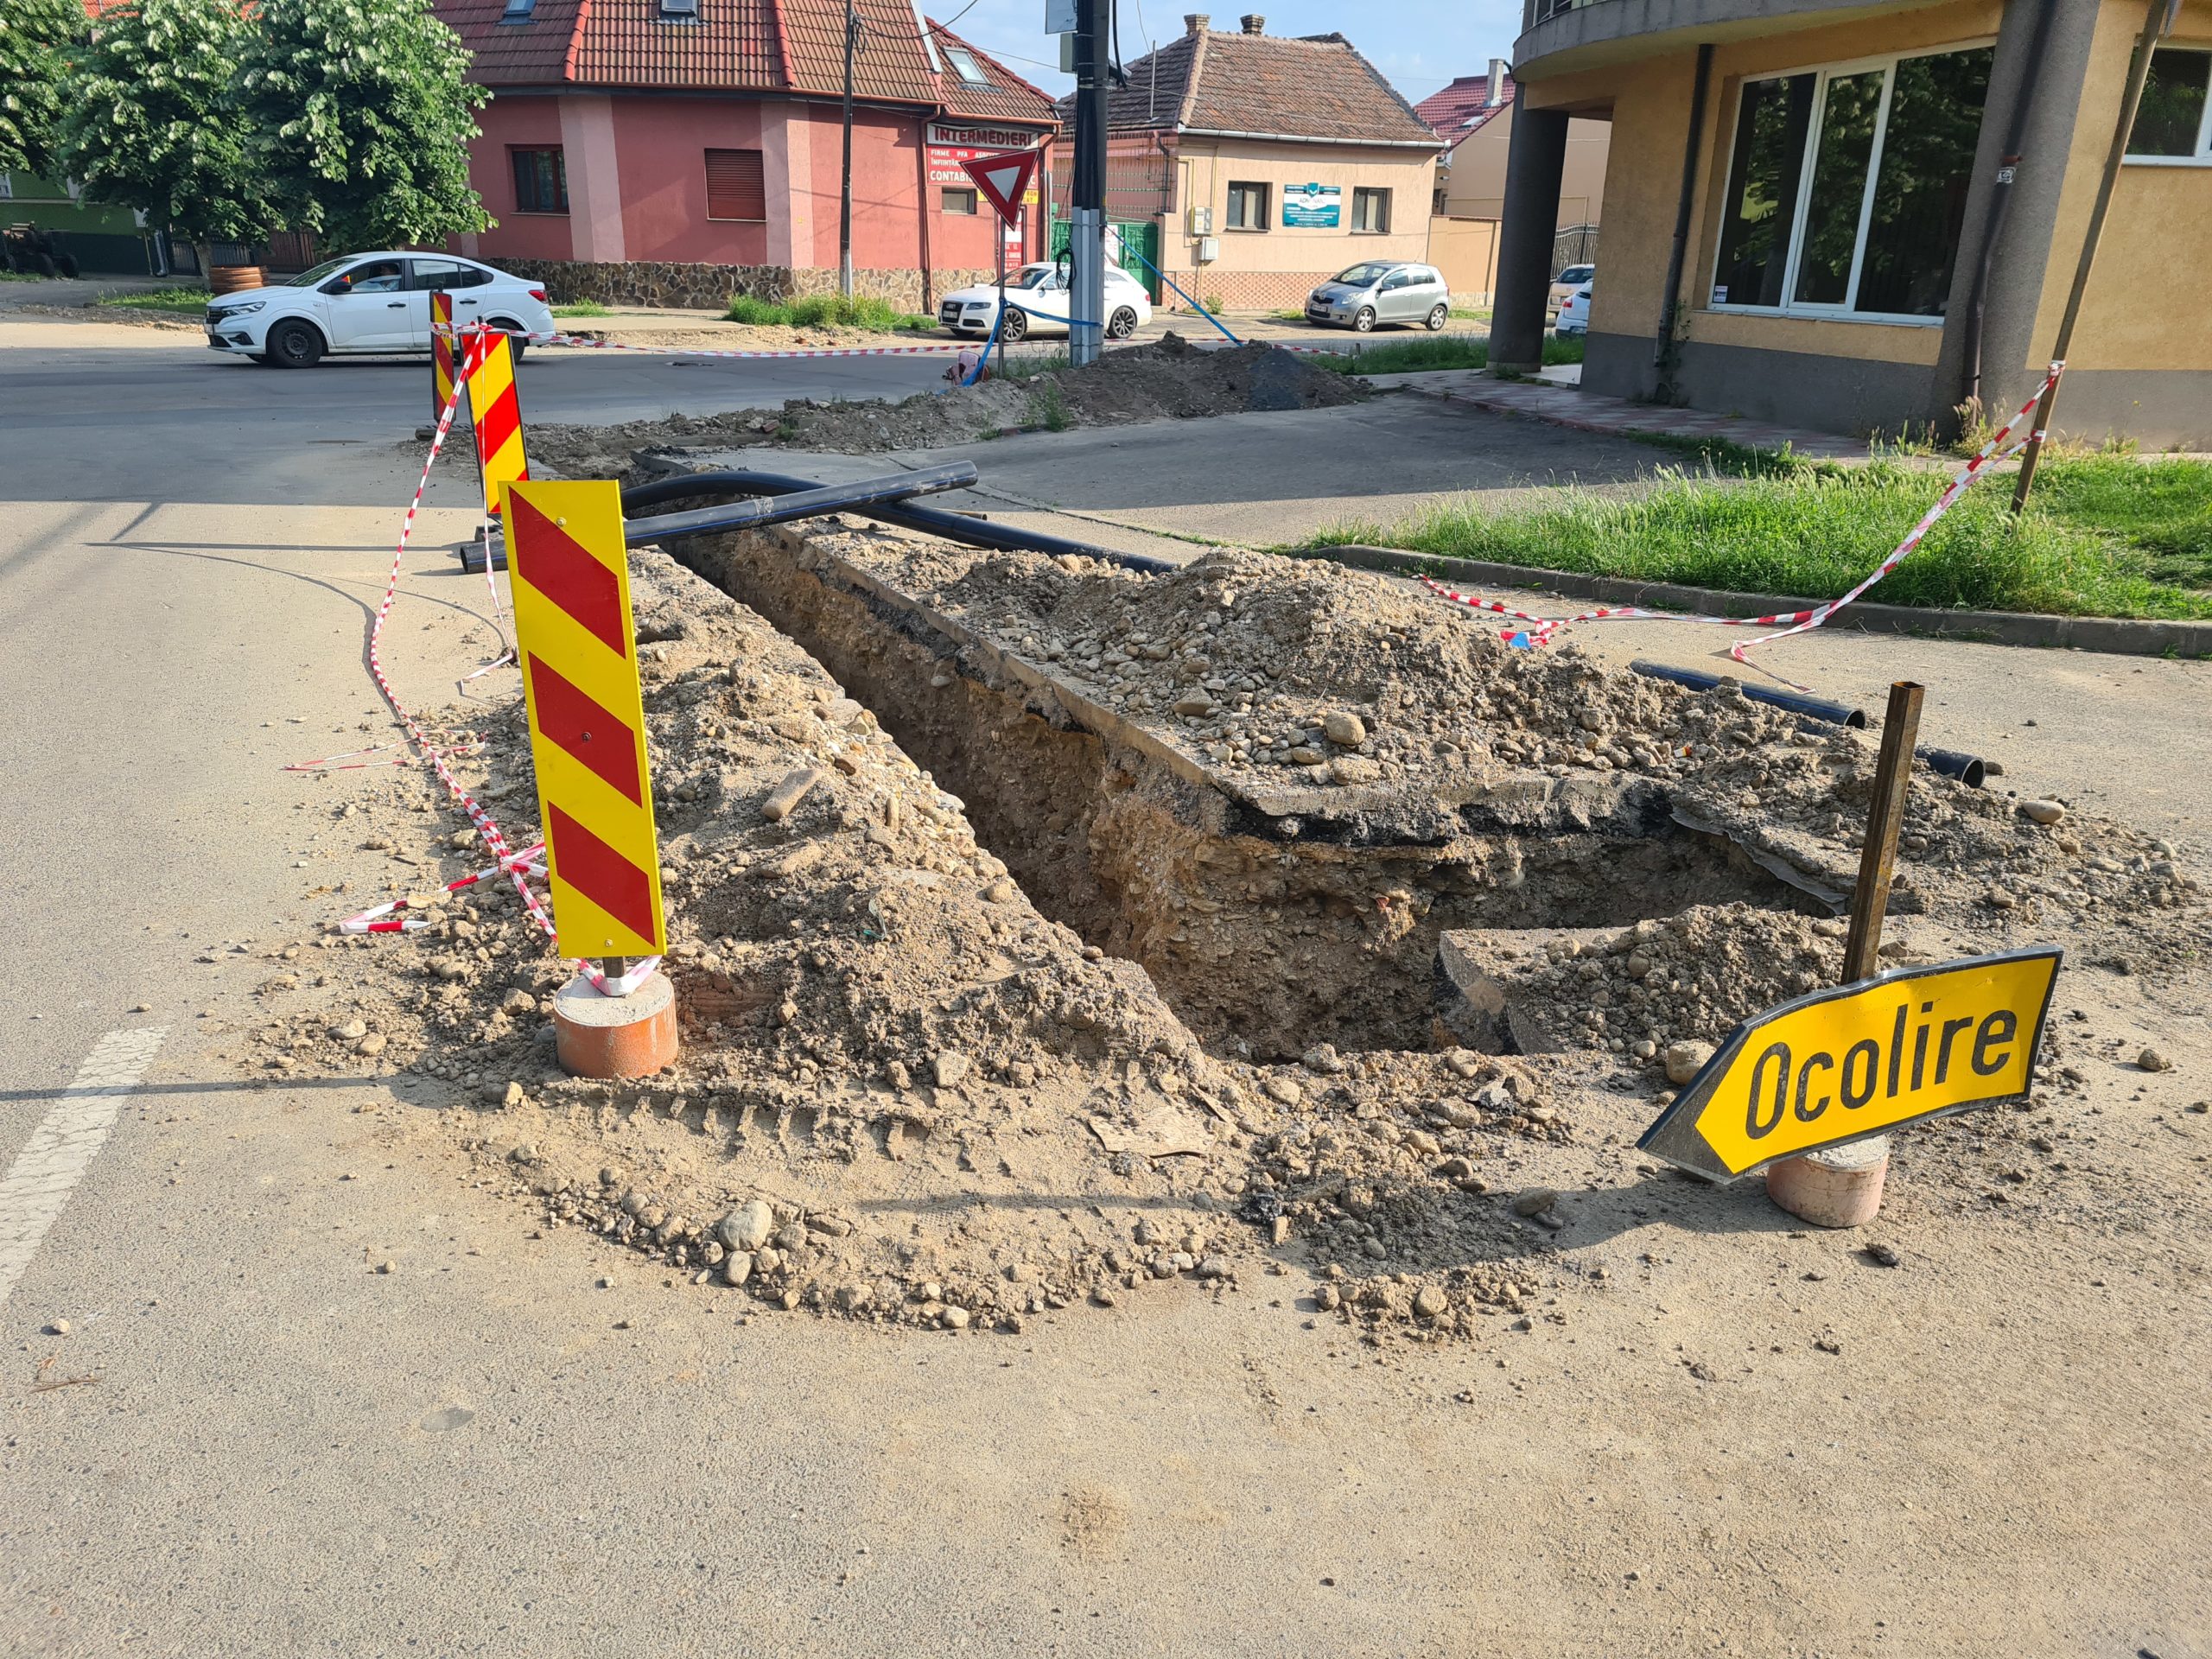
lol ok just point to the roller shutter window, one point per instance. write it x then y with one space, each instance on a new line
736 186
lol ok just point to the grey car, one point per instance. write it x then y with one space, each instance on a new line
1382 291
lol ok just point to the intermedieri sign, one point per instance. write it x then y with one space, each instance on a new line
1841 1065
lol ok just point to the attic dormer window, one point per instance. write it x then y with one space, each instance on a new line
965 67
679 12
517 11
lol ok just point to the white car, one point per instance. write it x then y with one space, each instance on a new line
1037 303
1565 284
370 304
1574 313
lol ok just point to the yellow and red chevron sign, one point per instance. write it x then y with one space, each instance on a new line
496 413
571 578
440 351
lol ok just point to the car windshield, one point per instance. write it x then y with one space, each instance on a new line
328 267
1362 274
1029 277
1577 273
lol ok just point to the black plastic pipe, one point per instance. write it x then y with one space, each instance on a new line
931 521
753 510
1969 769
1835 714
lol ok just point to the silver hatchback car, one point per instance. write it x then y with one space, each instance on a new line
1382 291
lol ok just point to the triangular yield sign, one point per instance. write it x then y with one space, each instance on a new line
1003 179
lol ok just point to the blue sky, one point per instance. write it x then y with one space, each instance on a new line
1420 44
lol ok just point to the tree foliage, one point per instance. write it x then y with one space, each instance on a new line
360 116
36 40
153 124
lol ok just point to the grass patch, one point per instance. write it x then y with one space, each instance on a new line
181 300
2163 509
1048 408
2094 542
1437 352
1472 314
826 311
583 308
1025 365
20 277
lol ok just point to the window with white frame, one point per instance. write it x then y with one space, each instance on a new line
1848 187
2173 123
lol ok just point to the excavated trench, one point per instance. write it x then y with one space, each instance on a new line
1275 921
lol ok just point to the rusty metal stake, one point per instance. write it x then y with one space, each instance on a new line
1843 1188
1877 862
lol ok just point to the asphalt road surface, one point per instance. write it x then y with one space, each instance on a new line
243 433
251 1442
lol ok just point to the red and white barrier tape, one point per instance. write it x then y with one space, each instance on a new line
373 920
517 867
1541 629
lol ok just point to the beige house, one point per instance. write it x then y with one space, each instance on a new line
1258 165
1473 116
1857 217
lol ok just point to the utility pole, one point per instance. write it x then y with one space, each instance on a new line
845 190
1087 190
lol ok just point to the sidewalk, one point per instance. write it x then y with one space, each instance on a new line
1585 412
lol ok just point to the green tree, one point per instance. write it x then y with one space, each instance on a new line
360 111
153 121
35 41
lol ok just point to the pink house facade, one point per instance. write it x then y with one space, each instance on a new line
634 151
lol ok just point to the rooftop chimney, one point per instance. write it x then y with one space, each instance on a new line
1194 23
1496 83
1254 23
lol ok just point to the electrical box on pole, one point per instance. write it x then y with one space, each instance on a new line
1087 190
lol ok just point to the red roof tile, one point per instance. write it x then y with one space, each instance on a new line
765 46
1463 108
1309 86
535 53
1006 97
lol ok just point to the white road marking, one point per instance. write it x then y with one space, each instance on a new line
65 1144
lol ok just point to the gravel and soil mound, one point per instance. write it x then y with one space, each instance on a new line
1167 379
905 1095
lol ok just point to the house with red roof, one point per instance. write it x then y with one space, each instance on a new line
1474 117
677 151
1249 167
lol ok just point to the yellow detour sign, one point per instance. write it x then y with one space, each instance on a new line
495 410
571 576
1842 1065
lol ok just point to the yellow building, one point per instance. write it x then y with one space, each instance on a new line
1249 167
1857 217
1473 117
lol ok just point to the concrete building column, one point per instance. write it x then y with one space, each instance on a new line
2024 256
1535 161
594 188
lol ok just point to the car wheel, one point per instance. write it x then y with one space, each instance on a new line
294 346
1364 322
1121 324
1437 316
517 337
1015 324
45 265
66 263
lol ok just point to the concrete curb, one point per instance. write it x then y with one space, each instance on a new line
2117 636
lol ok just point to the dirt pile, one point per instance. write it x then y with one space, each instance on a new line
907 1096
1169 379
948 1108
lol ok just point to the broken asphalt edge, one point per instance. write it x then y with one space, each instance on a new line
2117 636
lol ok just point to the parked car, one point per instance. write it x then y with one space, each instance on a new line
1574 315
1565 283
368 304
1037 303
1382 291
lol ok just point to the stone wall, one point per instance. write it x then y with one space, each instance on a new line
692 287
